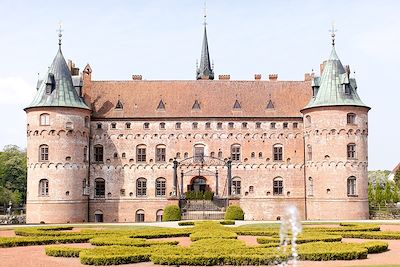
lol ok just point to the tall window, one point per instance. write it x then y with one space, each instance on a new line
87 122
159 215
98 153
162 125
141 153
308 120
178 125
160 153
278 186
309 152
99 188
160 187
44 119
146 125
208 125
98 216
273 125
128 125
235 152
198 153
351 118
195 125
141 187
258 125
43 187
236 186
244 125
351 151
310 186
278 152
231 125
351 186
219 125
139 217
44 153
85 151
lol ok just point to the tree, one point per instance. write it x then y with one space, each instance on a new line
371 195
378 194
396 197
397 178
387 193
13 174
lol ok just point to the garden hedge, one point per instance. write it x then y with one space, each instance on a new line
171 213
303 238
6 242
127 241
63 251
234 212
323 251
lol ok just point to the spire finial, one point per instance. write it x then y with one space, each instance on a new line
205 13
60 30
333 31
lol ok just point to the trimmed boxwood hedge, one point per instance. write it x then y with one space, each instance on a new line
323 251
172 213
127 241
63 251
303 239
6 242
375 246
185 223
234 212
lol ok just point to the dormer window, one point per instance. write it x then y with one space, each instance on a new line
50 83
347 89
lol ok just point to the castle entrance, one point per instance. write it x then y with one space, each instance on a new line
198 184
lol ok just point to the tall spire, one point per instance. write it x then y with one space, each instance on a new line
57 89
205 71
335 87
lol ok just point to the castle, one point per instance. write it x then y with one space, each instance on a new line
120 151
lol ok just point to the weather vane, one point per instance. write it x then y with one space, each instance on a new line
333 31
60 30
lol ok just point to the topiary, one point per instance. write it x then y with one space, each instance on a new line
171 213
234 212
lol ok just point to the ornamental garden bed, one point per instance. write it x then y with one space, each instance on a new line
212 243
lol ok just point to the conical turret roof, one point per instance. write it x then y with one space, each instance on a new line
335 87
57 89
205 70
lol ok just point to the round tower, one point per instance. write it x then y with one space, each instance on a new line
336 146
57 148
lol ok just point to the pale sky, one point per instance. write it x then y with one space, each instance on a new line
162 40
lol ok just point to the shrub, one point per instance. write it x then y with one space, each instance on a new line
126 241
372 235
62 251
234 212
185 223
331 251
375 246
192 195
171 213
227 222
303 238
6 242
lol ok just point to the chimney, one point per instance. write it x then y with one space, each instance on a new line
321 67
224 77
308 76
136 77
257 77
273 77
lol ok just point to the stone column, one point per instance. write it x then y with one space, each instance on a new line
181 184
216 182
175 180
229 178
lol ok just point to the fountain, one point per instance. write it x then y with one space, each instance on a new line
290 229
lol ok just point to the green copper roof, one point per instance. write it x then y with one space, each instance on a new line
57 89
205 69
334 87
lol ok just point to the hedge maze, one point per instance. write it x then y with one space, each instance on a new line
213 243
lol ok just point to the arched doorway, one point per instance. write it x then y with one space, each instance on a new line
198 184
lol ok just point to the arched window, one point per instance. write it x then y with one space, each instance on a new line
85 188
195 125
231 125
351 118
160 153
244 125
43 187
160 187
212 154
309 152
260 155
141 187
178 155
235 152
99 125
236 186
208 125
351 151
99 188
128 125
159 215
278 152
278 186
115 155
139 216
178 125
44 119
146 125
98 153
141 153
185 155
308 120
98 216
162 125
310 186
43 153
123 155
258 125
219 154
351 186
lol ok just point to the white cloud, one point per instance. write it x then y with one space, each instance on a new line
15 90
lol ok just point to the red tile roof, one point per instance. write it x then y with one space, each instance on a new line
140 98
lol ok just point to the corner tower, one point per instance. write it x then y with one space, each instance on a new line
57 149
336 146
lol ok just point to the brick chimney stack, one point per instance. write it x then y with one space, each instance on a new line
257 77
136 77
273 77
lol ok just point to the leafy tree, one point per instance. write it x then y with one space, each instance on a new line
397 178
378 195
13 173
396 197
387 193
371 195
